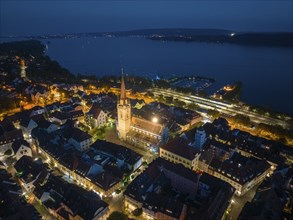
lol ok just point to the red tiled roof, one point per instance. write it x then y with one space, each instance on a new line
147 125
180 147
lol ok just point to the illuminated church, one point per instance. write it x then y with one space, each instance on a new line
135 130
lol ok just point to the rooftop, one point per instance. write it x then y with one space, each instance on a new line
149 126
180 147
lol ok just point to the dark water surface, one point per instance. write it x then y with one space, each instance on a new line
266 72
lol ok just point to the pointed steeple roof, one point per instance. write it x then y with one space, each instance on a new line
122 91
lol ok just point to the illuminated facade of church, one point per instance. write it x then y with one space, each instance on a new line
135 130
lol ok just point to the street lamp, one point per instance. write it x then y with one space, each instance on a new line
155 119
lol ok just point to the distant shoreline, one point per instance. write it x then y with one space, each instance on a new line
276 39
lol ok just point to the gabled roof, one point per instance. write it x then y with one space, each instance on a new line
52 106
221 122
80 135
61 115
219 145
18 143
243 169
80 93
117 151
95 110
167 205
44 124
105 180
179 169
6 125
24 122
38 119
77 113
82 168
189 135
80 202
70 161
27 169
12 135
83 203
179 146
138 188
36 108
146 125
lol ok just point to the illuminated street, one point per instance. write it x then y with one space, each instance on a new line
239 202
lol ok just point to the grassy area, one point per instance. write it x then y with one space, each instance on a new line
83 127
98 133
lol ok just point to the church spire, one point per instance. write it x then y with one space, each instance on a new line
123 112
122 91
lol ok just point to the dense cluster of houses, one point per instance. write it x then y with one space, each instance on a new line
8 135
99 166
13 204
166 190
196 175
224 153
273 198
233 160
62 199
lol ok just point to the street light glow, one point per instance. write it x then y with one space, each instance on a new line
155 119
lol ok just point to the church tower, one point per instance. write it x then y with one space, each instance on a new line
22 69
124 112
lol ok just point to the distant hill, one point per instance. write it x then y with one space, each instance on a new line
213 35
173 32
22 48
280 39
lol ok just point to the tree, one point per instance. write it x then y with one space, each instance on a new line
169 99
137 212
193 106
8 152
6 104
150 94
202 93
161 98
178 103
64 93
214 113
117 216
161 83
184 90
242 119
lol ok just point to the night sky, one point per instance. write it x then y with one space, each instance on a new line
49 17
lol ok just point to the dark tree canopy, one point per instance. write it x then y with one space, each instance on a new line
117 216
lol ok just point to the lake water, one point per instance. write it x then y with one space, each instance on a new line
266 72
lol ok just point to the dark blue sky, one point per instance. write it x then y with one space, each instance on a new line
39 17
